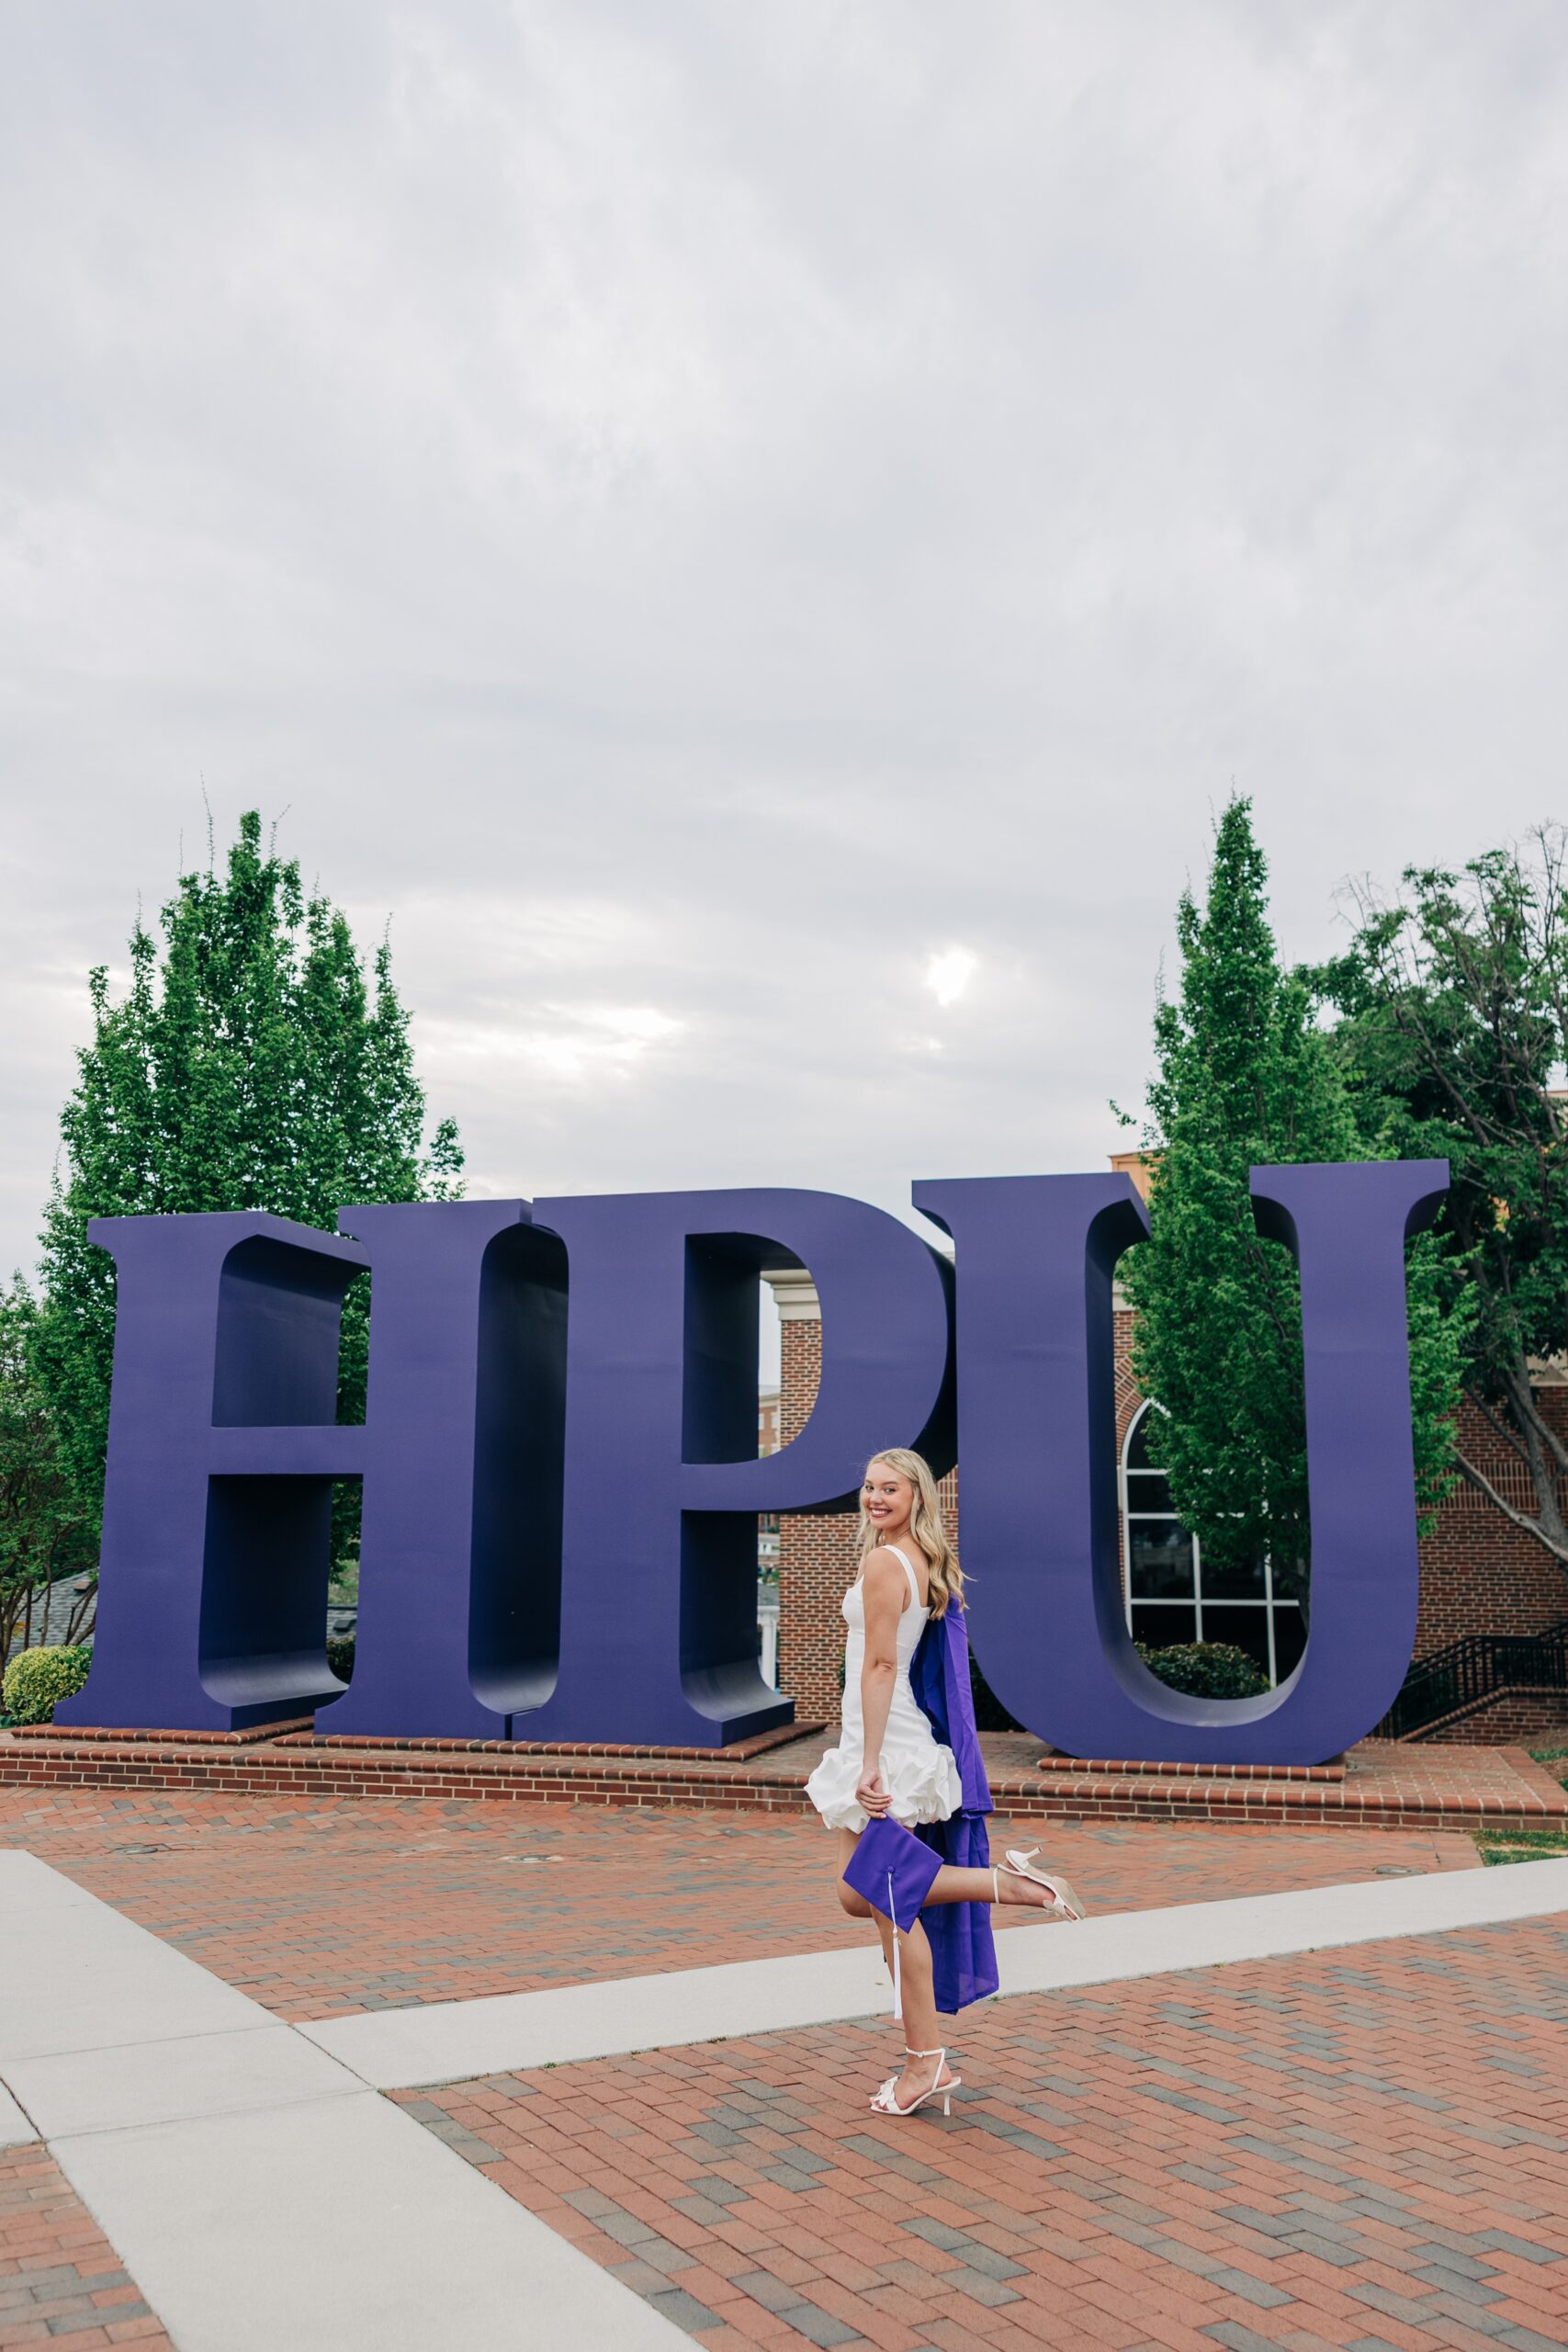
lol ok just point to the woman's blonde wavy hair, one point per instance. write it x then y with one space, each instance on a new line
925 1526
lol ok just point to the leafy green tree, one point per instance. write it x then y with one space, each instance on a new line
46 1531
1247 1078
1453 1032
254 1063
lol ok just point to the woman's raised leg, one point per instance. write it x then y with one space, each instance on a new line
953 1884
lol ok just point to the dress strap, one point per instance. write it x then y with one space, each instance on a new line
908 1571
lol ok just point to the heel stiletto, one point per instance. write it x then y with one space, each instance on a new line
1064 1899
1047 1911
887 2102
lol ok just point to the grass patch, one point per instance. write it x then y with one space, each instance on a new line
1521 1845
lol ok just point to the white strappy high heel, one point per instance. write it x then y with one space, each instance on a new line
886 2103
1064 1903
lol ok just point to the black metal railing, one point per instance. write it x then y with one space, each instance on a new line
1474 1668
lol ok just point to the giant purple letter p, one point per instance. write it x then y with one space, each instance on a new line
662 1480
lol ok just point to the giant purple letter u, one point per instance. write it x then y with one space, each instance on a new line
1036 1442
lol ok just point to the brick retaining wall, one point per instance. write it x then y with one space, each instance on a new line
1384 1786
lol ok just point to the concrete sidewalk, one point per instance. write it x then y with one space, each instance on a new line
261 2194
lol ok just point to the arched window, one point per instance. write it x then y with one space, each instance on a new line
1171 1596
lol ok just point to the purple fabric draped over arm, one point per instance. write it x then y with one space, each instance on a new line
964 1955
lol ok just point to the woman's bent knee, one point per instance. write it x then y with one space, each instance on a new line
855 1905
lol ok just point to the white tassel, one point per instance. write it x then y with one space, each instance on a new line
893 1916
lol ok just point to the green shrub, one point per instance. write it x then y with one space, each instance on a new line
1206 1670
340 1655
37 1678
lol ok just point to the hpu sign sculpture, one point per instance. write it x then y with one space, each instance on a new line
561 1481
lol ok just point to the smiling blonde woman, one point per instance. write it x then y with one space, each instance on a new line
889 1764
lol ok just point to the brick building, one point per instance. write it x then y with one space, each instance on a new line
1481 1576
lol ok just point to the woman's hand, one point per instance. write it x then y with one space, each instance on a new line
870 1794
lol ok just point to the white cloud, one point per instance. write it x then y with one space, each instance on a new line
948 973
696 510
633 1027
571 1044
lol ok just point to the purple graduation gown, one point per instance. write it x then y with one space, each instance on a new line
894 1867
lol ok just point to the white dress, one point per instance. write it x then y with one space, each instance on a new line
917 1771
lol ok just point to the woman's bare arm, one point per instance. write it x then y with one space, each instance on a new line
882 1591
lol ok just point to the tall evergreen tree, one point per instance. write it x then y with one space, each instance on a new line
1245 1077
253 1064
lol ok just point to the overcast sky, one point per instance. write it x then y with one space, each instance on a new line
760 535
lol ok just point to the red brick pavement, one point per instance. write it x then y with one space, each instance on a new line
1365 2149
60 2281
318 1908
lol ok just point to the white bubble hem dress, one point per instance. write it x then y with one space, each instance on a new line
917 1771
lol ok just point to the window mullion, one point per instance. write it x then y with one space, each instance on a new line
1197 1582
